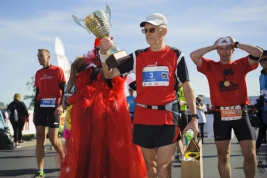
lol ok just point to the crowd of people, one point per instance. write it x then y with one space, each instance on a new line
110 135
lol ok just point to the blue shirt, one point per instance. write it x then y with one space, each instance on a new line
131 102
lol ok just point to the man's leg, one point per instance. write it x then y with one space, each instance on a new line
53 137
223 151
40 139
165 156
249 154
150 156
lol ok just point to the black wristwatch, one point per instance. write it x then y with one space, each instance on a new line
194 115
236 44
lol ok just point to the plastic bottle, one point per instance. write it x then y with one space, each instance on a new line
189 134
16 115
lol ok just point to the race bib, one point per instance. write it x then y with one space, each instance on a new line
230 113
48 102
155 76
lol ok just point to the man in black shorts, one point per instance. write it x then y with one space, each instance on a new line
228 93
49 83
158 68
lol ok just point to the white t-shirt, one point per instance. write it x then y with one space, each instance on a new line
201 114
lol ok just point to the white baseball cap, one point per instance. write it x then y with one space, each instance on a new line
155 19
224 41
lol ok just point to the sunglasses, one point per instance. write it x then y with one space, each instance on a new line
150 30
263 60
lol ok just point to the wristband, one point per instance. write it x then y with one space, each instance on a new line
103 58
236 44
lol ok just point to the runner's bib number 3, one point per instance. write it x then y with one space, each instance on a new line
155 76
48 102
230 113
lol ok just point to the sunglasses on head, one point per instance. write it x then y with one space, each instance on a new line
150 30
263 60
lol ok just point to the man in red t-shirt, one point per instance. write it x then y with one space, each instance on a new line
50 84
228 93
158 68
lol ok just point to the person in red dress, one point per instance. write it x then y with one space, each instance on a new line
101 141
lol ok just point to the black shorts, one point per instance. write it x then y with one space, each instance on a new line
151 136
242 127
183 122
44 116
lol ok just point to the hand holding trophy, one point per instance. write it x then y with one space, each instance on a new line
98 24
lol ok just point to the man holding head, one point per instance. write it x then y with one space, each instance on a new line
228 93
49 83
158 68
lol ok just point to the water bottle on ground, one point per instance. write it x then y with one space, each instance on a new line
189 134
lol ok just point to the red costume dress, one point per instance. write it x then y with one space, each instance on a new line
101 142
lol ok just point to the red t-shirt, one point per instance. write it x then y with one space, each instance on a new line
48 81
227 81
157 95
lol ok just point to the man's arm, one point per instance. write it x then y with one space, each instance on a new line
105 45
109 74
197 55
59 109
191 103
253 51
35 103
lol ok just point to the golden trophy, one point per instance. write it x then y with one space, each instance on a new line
98 24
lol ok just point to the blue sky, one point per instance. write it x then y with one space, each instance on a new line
28 25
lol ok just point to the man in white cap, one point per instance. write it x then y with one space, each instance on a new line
158 68
228 93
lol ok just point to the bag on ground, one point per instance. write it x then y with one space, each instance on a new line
6 139
192 162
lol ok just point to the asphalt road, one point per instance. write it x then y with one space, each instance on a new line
21 163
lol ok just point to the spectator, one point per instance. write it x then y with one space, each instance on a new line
17 114
263 86
131 103
201 111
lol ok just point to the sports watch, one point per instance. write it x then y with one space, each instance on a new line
195 115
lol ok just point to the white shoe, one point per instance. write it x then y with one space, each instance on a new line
18 146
